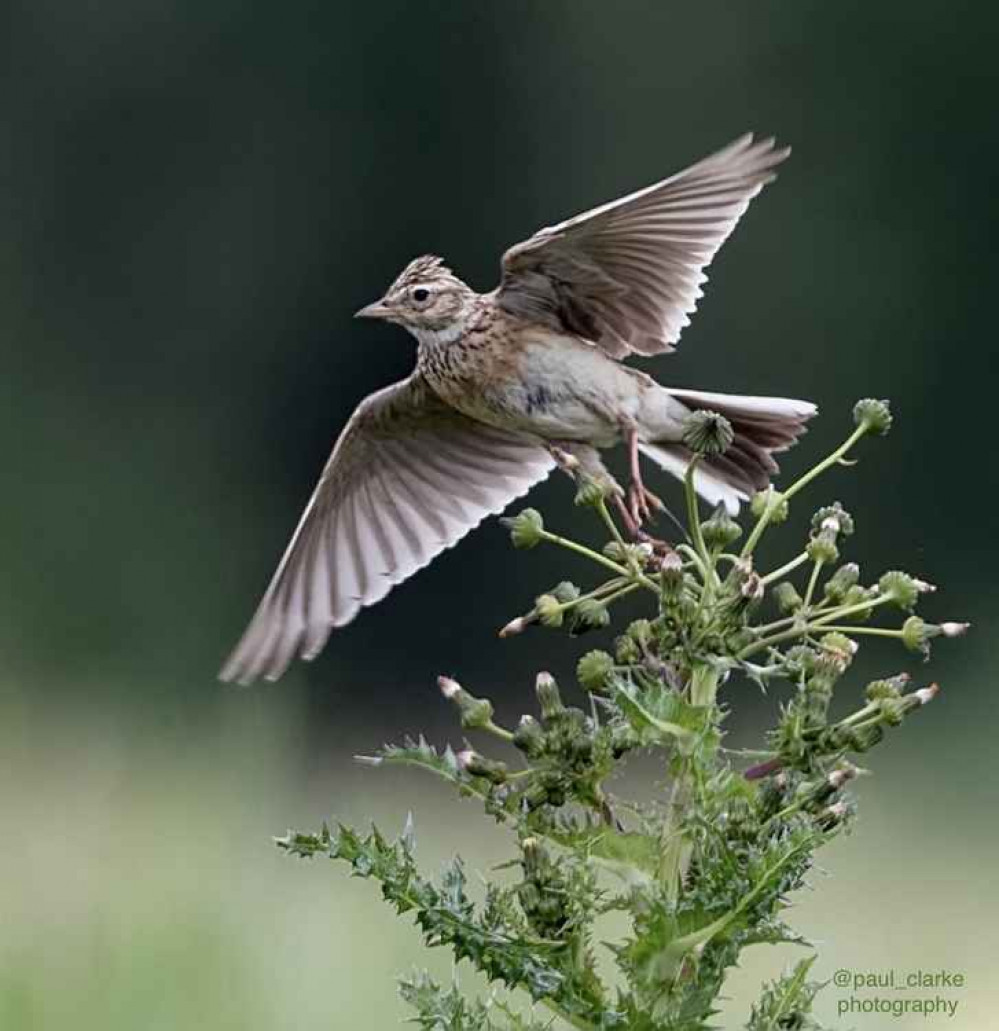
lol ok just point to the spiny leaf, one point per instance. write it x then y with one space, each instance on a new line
786 1003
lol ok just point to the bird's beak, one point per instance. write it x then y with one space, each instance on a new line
378 310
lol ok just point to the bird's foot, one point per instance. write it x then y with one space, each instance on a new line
642 503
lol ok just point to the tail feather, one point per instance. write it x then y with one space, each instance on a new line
762 425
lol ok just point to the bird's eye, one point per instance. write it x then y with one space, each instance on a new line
421 294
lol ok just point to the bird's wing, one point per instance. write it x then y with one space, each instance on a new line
408 477
627 275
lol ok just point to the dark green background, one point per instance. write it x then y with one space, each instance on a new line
194 198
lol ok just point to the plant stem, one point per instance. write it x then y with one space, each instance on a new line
812 582
873 631
595 556
849 610
497 731
826 462
788 567
694 521
608 519
803 481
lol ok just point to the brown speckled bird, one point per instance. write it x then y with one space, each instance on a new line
511 383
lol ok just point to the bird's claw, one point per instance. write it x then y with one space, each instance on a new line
642 503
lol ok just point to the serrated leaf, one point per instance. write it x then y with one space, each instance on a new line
786 1003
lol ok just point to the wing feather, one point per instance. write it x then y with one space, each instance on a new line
627 275
408 478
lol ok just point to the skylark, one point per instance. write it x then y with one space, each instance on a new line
511 383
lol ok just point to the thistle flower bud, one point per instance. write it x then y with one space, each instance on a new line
707 433
526 529
589 614
593 671
833 815
549 699
926 694
449 688
854 596
787 597
640 631
770 499
616 551
671 576
837 652
720 530
916 699
835 518
888 687
862 739
516 626
901 588
916 634
873 415
626 650
591 492
800 659
479 766
822 548
529 737
565 591
841 581
825 789
841 775
475 712
548 610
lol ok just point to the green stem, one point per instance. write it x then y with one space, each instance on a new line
860 715
621 593
788 567
826 462
694 520
608 519
812 582
849 610
802 482
686 549
595 556
773 639
604 588
497 731
873 631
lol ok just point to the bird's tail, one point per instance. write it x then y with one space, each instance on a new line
763 426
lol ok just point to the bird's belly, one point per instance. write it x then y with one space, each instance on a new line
558 412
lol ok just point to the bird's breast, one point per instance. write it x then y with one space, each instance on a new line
537 382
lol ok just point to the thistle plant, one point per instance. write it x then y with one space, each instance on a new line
706 869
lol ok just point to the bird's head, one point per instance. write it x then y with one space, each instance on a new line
428 299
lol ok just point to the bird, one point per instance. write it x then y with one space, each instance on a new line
511 384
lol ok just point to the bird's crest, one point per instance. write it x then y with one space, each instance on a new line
427 266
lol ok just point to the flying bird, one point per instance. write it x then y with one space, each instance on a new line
512 383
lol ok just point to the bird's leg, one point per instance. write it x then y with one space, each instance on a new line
634 529
641 501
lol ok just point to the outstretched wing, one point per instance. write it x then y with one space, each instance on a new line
627 275
408 477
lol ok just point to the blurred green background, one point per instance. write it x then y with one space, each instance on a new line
194 198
